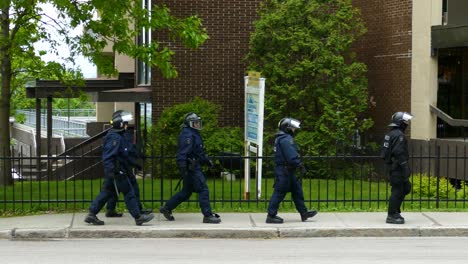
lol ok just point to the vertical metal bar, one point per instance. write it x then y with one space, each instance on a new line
153 176
464 177
438 175
161 164
30 175
57 176
5 160
447 175
73 168
49 147
65 181
420 174
21 174
10 161
429 173
318 185
456 174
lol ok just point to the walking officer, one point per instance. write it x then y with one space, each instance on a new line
117 170
190 157
395 154
134 155
287 161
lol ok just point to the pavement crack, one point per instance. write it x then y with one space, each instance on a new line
432 219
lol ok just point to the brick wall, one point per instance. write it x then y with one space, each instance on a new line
215 71
386 49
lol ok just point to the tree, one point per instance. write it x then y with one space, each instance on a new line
303 48
25 22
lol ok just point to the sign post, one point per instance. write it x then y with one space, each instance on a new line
254 104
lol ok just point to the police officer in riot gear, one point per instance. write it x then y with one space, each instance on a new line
190 157
117 171
395 154
134 155
287 162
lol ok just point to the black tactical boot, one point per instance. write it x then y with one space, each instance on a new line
167 213
395 219
398 215
308 214
212 219
146 211
144 218
113 213
274 219
92 219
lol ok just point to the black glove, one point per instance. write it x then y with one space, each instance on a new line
302 169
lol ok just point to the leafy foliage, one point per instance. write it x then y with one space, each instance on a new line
302 47
426 186
167 129
119 23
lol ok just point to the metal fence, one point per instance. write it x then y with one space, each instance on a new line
61 124
340 182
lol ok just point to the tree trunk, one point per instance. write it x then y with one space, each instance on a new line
5 75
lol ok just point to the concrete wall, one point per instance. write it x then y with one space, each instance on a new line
426 13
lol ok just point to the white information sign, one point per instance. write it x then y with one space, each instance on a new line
254 105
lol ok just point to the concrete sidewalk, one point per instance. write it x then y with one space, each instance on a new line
235 225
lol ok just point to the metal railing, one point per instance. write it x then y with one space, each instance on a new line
449 126
340 182
60 125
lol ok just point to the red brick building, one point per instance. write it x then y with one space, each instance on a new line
407 45
214 71
386 50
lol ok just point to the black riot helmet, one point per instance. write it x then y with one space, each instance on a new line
289 125
192 120
400 120
120 118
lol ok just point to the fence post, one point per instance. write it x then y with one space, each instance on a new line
437 174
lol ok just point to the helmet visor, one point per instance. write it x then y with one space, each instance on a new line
295 123
126 117
196 124
407 117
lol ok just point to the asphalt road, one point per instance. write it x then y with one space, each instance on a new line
308 250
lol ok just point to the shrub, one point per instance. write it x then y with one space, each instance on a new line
167 129
426 186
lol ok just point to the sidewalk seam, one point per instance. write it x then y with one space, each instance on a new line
432 219
341 220
252 221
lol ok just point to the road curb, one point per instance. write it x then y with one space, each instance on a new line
233 233
444 231
38 234
348 232
6 234
175 233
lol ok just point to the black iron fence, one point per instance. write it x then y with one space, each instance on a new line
339 182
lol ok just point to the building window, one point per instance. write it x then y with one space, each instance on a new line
144 39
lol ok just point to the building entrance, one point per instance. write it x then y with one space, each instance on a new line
452 94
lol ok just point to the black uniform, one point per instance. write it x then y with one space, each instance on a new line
395 153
